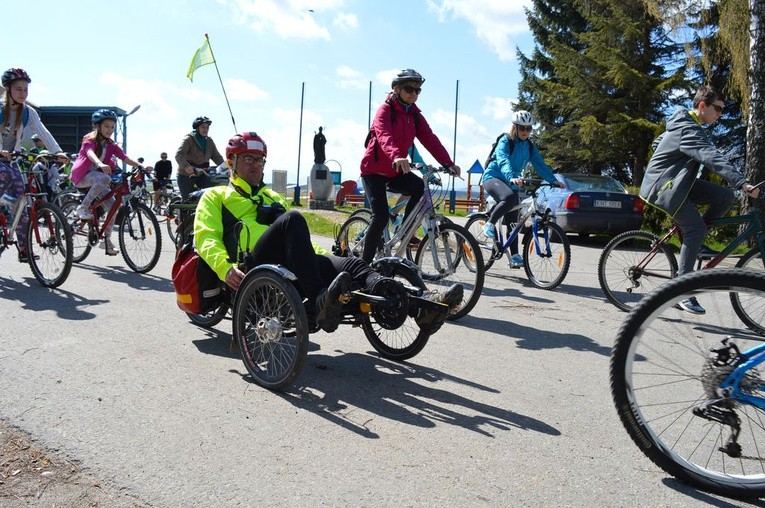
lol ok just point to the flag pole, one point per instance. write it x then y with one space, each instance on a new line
296 200
207 37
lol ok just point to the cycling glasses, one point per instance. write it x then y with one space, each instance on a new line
523 128
249 159
411 89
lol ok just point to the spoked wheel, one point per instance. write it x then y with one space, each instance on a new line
670 371
350 238
546 255
140 240
453 256
173 222
396 342
83 234
49 241
211 318
750 310
366 213
474 225
271 329
627 270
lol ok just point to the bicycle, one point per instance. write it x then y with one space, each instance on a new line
447 253
49 239
688 388
546 249
635 263
138 230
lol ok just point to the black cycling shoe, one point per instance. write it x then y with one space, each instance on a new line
432 317
707 253
328 304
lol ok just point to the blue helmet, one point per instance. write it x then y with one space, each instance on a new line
103 114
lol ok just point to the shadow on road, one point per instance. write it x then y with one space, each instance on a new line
124 275
32 296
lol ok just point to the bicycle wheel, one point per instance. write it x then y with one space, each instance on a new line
488 246
49 241
403 342
173 222
365 213
623 283
210 319
271 329
547 268
82 232
667 368
453 256
750 310
350 238
140 241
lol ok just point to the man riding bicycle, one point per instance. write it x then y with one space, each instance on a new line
248 217
193 157
671 184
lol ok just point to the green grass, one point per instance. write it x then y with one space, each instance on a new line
320 225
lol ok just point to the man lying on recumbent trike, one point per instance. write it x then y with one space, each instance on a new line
248 217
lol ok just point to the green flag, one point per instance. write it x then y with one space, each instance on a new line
203 56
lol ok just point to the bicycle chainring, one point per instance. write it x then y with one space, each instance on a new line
394 313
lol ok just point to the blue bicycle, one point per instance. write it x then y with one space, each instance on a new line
688 388
546 249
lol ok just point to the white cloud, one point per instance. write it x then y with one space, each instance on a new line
498 108
348 77
494 21
238 89
293 19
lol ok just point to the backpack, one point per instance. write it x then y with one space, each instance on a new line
197 287
24 116
491 156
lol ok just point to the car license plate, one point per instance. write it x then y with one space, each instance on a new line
602 203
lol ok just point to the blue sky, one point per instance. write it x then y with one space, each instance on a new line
133 53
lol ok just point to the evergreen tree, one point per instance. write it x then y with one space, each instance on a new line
608 87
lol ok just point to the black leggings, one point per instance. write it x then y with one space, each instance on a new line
506 199
186 184
376 187
288 243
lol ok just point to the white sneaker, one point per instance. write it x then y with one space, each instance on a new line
83 213
109 247
488 230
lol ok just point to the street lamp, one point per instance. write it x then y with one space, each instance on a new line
124 127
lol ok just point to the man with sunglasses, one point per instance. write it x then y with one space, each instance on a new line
671 180
503 176
385 166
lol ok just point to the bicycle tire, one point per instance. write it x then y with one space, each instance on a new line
452 244
350 238
488 246
49 244
139 237
662 373
366 213
750 311
172 223
211 318
546 271
82 232
616 268
271 328
404 342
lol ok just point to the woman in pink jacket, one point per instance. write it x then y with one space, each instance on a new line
94 166
385 166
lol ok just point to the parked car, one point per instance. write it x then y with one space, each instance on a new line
592 204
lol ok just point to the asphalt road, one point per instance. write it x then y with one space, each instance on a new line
510 406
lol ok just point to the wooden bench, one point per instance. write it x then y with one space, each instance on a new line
354 200
464 204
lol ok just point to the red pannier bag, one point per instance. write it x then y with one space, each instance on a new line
197 286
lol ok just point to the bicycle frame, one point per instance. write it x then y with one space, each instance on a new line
731 385
122 195
33 193
534 214
754 227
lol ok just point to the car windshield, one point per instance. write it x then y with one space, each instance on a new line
593 183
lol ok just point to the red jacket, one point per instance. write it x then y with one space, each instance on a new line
392 139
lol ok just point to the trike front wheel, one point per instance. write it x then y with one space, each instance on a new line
270 328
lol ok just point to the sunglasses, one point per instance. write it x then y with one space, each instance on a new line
248 159
719 109
523 128
411 89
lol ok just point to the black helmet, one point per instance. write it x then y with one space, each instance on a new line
100 115
407 75
199 121
14 74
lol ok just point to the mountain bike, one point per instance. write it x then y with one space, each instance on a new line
545 247
689 388
447 253
138 230
49 239
635 263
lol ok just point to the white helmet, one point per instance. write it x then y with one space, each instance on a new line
522 118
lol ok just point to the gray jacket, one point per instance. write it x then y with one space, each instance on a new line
190 153
678 154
